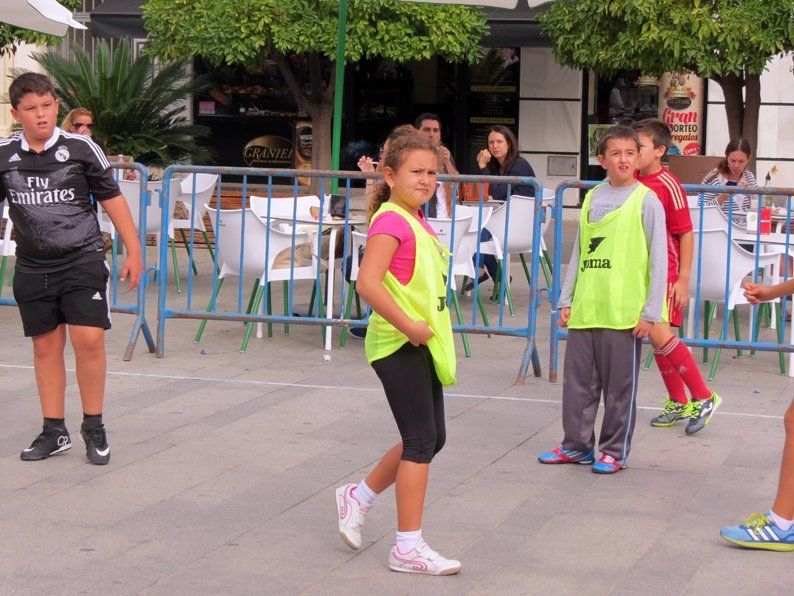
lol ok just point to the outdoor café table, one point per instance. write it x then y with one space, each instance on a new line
782 242
312 225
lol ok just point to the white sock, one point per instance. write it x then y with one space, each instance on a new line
406 541
783 524
364 494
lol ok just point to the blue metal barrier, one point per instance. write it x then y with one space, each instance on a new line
138 307
262 208
706 221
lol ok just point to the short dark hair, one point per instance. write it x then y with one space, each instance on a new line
617 132
657 130
426 116
30 82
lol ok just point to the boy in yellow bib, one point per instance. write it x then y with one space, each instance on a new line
409 344
614 292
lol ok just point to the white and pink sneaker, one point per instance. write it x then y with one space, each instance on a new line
422 559
351 515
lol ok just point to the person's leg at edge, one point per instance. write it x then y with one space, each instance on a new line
91 363
773 530
50 370
783 506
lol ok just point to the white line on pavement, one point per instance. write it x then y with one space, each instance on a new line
363 389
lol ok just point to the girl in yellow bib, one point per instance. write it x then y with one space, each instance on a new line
409 344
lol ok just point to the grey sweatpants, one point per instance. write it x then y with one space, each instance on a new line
596 361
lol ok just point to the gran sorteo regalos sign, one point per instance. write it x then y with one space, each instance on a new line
681 108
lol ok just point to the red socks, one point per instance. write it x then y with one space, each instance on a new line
679 368
672 380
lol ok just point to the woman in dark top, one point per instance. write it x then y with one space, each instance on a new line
501 159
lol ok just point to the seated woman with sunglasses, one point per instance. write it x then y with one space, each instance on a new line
79 121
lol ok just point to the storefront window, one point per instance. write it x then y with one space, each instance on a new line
622 99
253 117
492 98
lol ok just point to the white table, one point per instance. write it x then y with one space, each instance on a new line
772 239
312 226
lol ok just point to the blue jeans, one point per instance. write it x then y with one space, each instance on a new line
487 261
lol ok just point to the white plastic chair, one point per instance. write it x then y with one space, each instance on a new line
203 185
131 191
519 237
715 219
464 265
283 208
257 263
8 247
713 271
444 233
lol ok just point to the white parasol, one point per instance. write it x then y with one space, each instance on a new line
45 16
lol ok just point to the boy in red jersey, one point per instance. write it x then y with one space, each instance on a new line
675 362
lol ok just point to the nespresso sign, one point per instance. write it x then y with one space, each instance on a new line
269 151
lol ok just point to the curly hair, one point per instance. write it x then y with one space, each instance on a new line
399 149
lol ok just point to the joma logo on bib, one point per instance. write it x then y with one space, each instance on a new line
595 242
596 264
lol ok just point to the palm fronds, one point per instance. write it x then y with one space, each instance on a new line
137 104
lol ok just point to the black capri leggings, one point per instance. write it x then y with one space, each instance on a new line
416 401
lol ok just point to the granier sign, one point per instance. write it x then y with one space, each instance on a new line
269 151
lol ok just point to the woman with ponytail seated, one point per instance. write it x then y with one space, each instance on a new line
732 171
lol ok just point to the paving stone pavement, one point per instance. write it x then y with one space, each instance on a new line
224 466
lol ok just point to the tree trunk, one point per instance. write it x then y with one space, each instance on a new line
734 104
318 103
752 105
322 124
321 115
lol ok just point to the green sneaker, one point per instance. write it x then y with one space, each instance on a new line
672 412
702 411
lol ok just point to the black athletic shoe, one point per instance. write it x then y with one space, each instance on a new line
359 332
97 449
52 441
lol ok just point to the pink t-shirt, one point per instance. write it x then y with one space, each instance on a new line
393 224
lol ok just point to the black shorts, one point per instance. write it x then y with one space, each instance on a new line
76 296
416 399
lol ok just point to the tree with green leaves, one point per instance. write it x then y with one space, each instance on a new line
137 108
251 32
728 41
10 36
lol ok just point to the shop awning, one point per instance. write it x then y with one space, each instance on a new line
510 27
118 18
517 27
